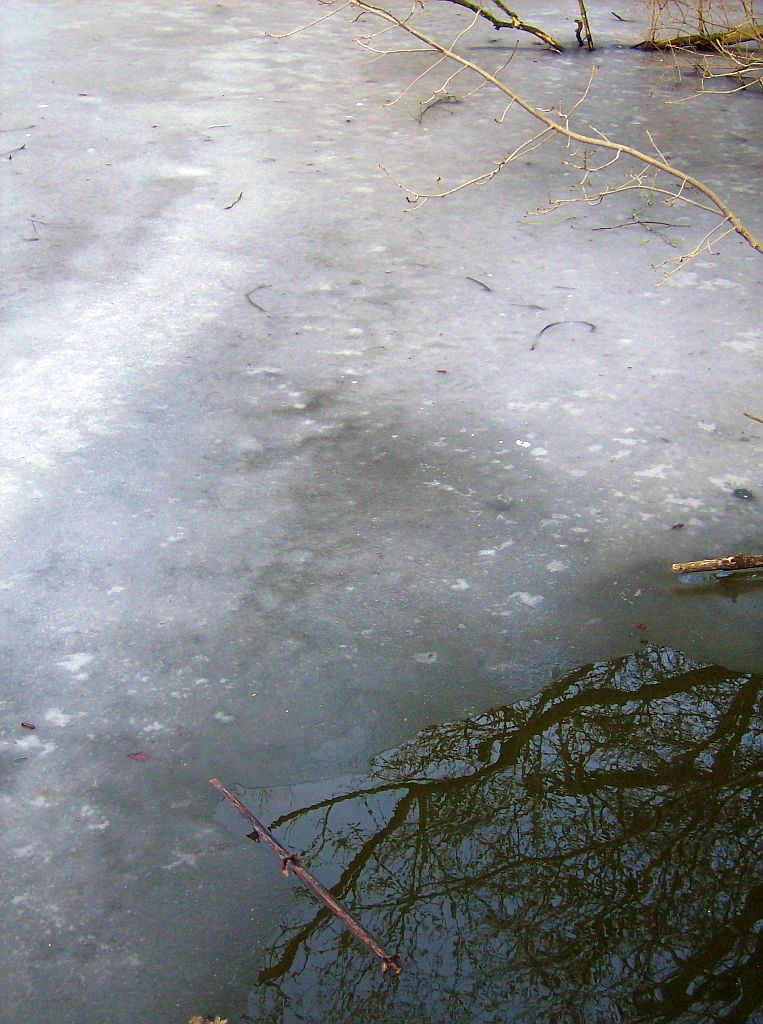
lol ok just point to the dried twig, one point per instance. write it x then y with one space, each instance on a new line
514 21
291 863
729 563
238 199
750 416
706 41
583 33
560 323
312 24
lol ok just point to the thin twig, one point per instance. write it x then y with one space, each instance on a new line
312 24
291 863
750 416
238 199
248 296
480 283
514 21
585 28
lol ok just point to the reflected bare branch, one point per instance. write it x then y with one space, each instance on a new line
593 854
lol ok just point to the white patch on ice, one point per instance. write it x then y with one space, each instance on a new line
556 566
57 717
539 452
114 590
459 585
657 472
220 716
154 727
41 801
492 552
739 345
626 440
531 600
267 371
75 662
673 499
175 537
183 860
22 852
686 279
718 282
727 483
707 427
426 657
524 444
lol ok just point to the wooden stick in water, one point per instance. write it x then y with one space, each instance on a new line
739 561
291 863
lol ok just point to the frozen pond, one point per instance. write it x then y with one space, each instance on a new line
289 477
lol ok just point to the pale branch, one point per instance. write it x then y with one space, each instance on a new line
442 95
706 40
732 562
562 129
583 32
312 24
514 21
705 245
527 146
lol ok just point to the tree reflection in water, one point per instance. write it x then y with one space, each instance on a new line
591 855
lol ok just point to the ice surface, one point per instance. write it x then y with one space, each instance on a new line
264 537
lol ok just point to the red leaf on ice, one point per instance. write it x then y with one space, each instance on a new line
639 625
28 725
677 526
138 756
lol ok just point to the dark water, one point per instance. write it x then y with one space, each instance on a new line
591 855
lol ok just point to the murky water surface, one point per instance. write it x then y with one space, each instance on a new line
592 854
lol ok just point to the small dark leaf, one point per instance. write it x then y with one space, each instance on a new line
639 625
28 725
677 526
139 756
